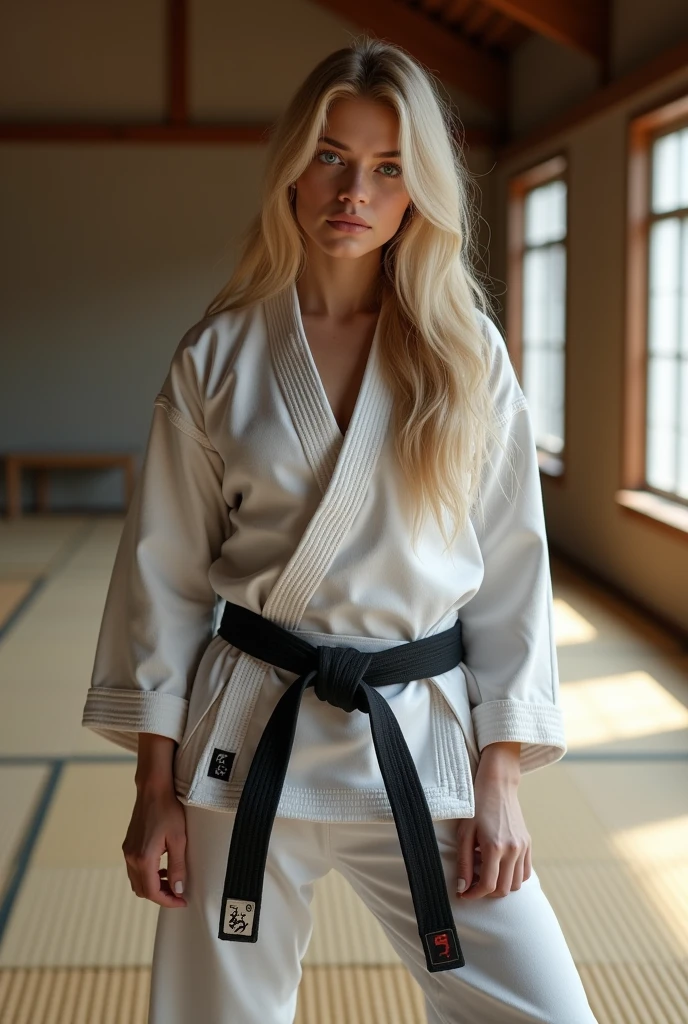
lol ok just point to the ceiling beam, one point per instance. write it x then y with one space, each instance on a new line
81 131
177 67
580 24
232 133
477 73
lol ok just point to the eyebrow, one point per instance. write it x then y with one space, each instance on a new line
340 145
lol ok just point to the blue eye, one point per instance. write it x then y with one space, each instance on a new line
326 152
330 152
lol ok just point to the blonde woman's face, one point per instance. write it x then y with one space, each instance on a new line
348 175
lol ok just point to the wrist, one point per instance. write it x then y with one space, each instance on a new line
501 760
154 768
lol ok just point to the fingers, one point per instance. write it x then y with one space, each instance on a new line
465 854
502 870
488 874
176 860
158 825
151 882
153 889
517 879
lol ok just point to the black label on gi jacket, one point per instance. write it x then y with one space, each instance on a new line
221 764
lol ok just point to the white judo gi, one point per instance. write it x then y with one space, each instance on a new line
249 493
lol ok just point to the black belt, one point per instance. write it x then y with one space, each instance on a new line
344 677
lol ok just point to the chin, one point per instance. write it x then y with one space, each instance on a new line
343 246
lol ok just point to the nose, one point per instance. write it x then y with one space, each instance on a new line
355 189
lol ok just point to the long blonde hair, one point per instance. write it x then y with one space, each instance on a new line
433 351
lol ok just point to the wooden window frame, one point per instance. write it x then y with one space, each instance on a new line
633 496
545 170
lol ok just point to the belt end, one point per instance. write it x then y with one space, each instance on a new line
442 951
239 920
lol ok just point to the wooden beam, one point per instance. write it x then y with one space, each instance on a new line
165 133
476 21
477 73
504 33
192 134
453 11
177 62
580 24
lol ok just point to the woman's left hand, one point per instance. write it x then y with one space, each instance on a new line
494 847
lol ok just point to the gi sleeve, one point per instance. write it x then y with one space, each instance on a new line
159 609
508 625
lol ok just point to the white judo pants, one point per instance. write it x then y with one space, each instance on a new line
518 968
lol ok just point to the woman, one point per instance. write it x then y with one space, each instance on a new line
345 400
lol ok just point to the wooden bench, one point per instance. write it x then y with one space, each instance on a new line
43 462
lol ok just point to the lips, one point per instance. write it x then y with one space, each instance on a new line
343 219
346 225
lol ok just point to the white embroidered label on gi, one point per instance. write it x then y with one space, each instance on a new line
238 917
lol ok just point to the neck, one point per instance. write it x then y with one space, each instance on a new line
339 288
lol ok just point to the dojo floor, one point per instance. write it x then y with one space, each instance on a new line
609 822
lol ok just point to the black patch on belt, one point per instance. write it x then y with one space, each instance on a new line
442 946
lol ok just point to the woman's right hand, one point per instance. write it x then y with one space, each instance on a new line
158 824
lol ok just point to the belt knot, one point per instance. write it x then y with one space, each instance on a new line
340 670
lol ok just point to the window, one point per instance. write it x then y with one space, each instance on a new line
666 425
655 464
537 301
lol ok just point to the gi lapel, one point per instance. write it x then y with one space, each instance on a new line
343 469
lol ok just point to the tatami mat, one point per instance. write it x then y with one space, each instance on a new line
47 657
34 544
20 788
364 995
64 996
336 995
12 593
610 836
638 993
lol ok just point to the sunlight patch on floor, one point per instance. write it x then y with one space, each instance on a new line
624 706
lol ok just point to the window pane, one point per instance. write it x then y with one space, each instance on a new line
662 405
534 295
557 299
531 380
535 217
661 451
666 187
682 488
554 439
558 395
557 199
683 168
664 254
545 213
663 325
684 285
544 311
